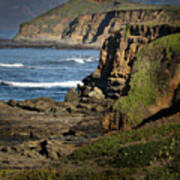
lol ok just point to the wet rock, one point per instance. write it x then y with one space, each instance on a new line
72 96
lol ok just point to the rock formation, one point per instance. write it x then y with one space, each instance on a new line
139 66
154 84
117 57
92 29
91 22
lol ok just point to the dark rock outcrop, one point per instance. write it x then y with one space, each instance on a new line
41 104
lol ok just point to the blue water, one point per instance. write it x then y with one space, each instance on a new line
7 34
32 73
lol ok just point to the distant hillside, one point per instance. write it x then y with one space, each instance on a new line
168 2
89 22
14 12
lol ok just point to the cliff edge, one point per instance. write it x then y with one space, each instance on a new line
139 69
89 22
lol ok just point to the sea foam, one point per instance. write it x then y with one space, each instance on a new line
80 60
67 84
12 65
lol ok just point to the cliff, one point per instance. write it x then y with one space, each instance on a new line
139 66
154 84
88 22
118 55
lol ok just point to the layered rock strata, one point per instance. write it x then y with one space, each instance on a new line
154 84
117 57
94 28
90 26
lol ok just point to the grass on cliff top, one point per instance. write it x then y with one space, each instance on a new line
74 8
145 85
143 154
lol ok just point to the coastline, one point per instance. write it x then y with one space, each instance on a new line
40 131
11 43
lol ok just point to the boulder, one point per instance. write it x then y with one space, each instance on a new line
72 96
96 93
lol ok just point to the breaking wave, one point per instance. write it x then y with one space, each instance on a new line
79 60
12 65
67 84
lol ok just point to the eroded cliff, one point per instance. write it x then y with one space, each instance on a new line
94 28
139 66
154 84
90 22
117 57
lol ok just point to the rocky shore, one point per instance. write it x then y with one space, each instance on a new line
11 43
131 87
37 132
135 90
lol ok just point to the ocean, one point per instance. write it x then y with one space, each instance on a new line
28 73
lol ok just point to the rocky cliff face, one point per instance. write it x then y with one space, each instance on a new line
117 57
139 66
93 23
94 28
154 84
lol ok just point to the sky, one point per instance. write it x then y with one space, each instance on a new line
14 12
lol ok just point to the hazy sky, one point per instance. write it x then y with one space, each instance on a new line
14 12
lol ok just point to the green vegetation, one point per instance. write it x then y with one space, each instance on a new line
143 154
62 19
74 8
163 174
147 82
110 145
127 31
